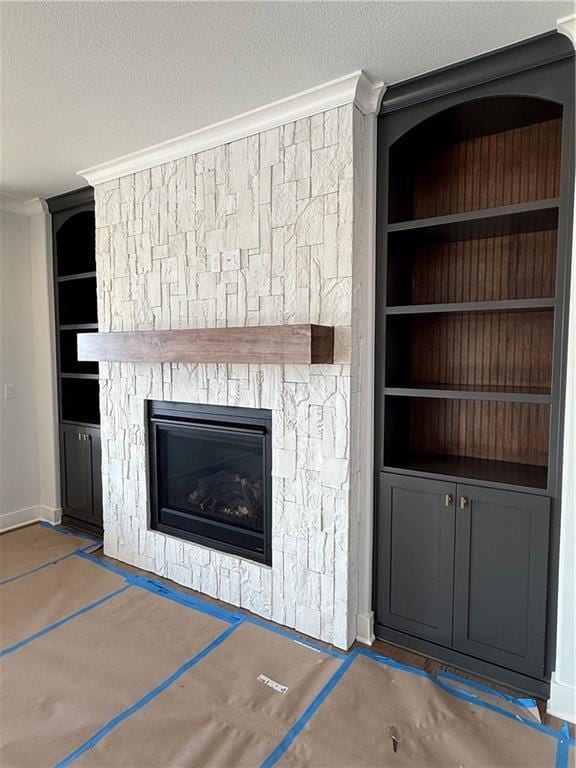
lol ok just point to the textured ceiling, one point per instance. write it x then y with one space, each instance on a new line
84 82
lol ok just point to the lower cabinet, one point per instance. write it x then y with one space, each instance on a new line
500 577
464 567
81 480
416 557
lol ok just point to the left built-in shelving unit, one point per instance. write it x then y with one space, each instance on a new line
75 306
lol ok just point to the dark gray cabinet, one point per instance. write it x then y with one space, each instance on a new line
416 556
475 201
465 567
73 245
501 574
81 481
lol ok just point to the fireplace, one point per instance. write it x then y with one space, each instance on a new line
210 476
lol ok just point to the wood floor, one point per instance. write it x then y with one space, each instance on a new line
386 649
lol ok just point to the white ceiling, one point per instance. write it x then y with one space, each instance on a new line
84 82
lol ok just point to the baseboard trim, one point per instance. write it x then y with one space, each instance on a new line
365 628
21 517
562 702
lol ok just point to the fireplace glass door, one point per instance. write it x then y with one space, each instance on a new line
210 476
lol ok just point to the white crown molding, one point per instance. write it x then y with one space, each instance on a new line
567 26
23 207
356 88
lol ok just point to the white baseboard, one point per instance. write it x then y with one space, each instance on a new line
20 517
562 702
365 628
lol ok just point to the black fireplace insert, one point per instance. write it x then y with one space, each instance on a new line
210 476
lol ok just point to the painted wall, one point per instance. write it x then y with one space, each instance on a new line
28 485
563 687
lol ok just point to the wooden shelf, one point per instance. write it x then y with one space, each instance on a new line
487 222
459 468
94 376
78 327
473 393
75 422
472 306
274 344
78 276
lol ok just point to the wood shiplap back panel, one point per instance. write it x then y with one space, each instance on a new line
518 266
481 429
514 166
510 350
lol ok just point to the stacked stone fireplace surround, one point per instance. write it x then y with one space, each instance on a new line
262 231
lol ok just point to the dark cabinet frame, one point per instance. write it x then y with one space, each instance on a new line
541 68
80 448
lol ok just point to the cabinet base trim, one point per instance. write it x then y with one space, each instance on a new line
21 517
365 628
562 703
522 683
81 525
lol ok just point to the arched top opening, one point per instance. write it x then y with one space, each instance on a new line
484 153
75 245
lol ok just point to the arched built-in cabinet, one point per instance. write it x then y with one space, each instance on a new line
474 219
74 256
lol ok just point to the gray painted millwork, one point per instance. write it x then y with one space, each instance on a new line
465 567
472 584
81 476
80 448
500 577
416 556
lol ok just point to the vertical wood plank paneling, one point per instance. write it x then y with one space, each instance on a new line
481 429
514 166
508 350
518 266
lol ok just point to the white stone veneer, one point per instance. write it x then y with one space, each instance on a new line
259 231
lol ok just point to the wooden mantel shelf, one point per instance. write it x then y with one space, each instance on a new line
299 344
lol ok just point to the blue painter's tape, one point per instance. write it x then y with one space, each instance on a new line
290 634
309 712
45 565
470 698
108 566
57 529
519 702
99 735
564 744
458 693
156 587
175 596
391 662
65 620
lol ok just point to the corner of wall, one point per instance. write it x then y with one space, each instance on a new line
562 701
44 356
363 320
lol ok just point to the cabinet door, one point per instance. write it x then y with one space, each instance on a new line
77 490
415 556
501 573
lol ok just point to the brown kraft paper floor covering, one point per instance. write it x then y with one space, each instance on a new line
65 685
34 546
373 705
40 599
218 713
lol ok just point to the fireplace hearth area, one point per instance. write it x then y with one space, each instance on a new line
210 476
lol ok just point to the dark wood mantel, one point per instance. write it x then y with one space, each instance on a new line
301 344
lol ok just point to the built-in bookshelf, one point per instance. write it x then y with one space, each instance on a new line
75 268
74 254
470 292
475 204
